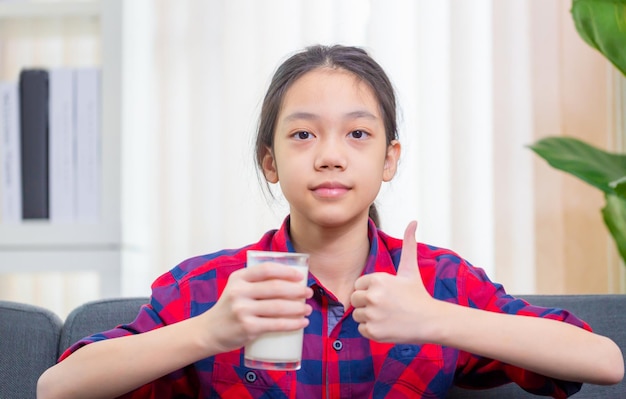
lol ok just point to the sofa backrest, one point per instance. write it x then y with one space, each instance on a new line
606 314
29 338
97 316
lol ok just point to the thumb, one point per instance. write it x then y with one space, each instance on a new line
408 258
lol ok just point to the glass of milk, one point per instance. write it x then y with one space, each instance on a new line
277 350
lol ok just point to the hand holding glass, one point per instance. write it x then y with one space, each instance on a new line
277 350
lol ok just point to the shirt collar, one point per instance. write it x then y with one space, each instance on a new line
378 260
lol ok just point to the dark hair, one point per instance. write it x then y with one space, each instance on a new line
351 59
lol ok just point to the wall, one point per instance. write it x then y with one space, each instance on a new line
573 95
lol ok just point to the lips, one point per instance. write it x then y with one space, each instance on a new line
330 190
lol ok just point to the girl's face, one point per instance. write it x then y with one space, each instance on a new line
330 149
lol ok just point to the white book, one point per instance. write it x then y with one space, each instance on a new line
88 145
11 181
62 145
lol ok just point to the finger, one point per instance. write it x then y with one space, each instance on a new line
269 270
358 299
274 289
408 259
358 315
363 329
277 308
263 325
363 282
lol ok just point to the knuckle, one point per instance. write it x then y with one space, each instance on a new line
280 308
239 309
373 297
275 286
249 326
233 292
281 324
379 278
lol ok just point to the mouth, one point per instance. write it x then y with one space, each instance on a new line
330 190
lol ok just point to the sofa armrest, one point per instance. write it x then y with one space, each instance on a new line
29 339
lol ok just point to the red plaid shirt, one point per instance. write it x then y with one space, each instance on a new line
337 362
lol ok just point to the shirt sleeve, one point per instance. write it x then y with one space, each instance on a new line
168 304
477 291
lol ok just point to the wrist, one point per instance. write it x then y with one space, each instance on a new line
202 337
444 324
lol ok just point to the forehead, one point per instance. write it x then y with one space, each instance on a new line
331 87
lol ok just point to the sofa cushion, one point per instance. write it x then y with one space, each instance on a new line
29 339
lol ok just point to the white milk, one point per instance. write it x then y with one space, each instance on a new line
278 347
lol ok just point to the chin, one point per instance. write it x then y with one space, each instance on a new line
333 221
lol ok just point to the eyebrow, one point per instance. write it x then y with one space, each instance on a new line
310 116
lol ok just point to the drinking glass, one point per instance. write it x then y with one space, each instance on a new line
277 350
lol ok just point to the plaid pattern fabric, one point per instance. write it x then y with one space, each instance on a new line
337 361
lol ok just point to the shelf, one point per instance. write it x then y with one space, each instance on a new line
34 246
38 9
106 234
36 234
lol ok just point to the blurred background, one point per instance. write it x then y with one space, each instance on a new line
183 80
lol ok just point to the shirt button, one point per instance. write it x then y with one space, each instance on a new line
250 376
337 345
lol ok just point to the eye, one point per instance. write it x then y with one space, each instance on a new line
302 135
358 134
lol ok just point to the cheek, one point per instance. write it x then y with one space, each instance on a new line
290 162
379 163
289 171
293 174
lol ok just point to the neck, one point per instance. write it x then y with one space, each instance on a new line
337 254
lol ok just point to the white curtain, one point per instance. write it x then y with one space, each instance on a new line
195 74
476 81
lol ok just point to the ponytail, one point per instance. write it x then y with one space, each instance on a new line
373 214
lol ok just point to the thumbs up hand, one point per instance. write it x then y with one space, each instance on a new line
396 308
408 259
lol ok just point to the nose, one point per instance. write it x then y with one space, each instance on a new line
330 156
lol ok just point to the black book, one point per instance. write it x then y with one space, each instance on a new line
34 143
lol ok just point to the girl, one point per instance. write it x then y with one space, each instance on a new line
383 317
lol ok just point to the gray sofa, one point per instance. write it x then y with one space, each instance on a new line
31 339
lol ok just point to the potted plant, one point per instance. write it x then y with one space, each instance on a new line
602 24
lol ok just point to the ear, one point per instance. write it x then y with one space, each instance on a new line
269 166
391 160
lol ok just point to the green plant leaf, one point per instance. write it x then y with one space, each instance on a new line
594 166
614 214
619 186
602 24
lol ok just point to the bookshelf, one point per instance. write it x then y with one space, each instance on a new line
39 245
48 9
